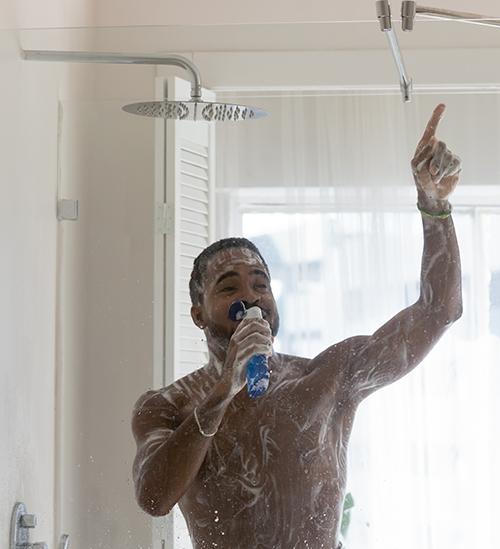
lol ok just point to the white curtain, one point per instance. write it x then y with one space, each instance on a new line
323 187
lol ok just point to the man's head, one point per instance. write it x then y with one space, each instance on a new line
229 270
199 272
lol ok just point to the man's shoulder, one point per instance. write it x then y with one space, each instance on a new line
288 364
327 369
340 351
177 394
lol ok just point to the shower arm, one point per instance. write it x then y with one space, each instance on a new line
122 58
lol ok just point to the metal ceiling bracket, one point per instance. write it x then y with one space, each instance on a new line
408 12
383 9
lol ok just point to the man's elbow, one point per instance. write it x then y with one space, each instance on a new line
152 501
443 315
153 505
452 312
456 307
458 311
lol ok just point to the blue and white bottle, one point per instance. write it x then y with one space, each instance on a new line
257 368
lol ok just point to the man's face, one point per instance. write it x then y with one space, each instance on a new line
234 274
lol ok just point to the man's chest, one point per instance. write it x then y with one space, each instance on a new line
254 446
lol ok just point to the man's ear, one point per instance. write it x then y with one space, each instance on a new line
198 316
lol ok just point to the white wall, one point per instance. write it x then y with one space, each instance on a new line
76 303
107 314
28 244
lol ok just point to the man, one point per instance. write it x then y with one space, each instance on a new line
271 472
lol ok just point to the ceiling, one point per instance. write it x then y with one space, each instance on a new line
131 13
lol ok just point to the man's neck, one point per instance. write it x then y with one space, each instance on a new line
215 363
217 351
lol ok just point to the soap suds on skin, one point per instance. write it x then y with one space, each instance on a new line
249 463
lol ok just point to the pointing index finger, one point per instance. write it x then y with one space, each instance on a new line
430 130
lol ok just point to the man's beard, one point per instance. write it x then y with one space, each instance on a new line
221 337
218 335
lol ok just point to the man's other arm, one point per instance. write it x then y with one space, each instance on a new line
403 342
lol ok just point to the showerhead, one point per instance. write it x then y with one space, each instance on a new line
195 110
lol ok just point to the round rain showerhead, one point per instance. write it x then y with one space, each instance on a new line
195 110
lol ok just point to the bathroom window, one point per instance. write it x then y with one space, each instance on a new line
324 187
422 454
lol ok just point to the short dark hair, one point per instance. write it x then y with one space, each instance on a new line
199 272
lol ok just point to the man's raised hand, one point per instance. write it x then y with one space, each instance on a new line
436 169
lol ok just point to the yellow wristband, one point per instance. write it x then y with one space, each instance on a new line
443 215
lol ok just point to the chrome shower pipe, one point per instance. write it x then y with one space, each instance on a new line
384 15
457 15
122 58
406 84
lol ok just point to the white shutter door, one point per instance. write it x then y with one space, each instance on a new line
184 227
190 188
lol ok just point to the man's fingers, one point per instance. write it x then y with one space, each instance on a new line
430 130
444 162
455 166
439 159
424 155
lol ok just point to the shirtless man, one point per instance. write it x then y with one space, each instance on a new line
271 472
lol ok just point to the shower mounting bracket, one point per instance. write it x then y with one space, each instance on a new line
409 10
383 10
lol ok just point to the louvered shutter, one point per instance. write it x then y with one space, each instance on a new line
193 210
185 170
189 195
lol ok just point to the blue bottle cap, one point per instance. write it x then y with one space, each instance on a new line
237 311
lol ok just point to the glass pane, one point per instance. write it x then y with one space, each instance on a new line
421 450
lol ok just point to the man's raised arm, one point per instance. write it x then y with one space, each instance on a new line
402 343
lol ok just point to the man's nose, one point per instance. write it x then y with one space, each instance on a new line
249 296
250 304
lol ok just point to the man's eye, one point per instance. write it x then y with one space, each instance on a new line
228 289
